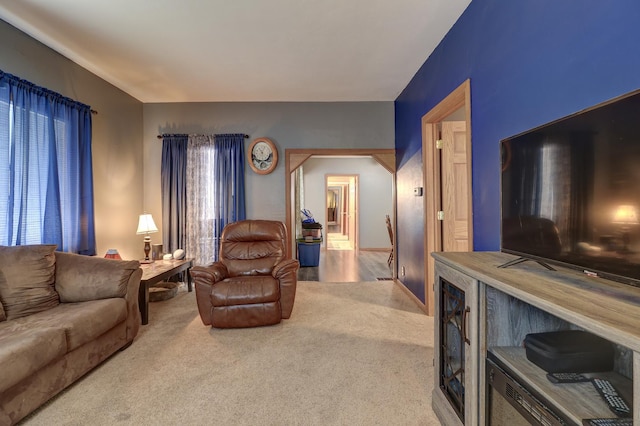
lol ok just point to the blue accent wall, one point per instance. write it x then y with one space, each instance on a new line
529 62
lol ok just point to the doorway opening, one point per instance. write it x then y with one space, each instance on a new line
341 226
446 150
296 168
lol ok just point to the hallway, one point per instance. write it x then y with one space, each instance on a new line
346 266
336 241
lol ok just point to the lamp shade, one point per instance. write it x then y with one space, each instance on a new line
112 254
626 215
146 225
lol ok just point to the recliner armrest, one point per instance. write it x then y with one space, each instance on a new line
285 267
209 274
286 272
204 277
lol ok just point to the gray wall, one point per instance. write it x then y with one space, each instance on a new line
117 135
291 125
127 154
375 195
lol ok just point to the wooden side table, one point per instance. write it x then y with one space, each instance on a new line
153 273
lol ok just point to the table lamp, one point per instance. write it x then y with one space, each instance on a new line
626 215
112 254
146 226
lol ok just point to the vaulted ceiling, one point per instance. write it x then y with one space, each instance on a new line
243 50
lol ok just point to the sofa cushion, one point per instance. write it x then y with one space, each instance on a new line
81 278
80 322
24 352
26 279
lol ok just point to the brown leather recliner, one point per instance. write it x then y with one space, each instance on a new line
252 283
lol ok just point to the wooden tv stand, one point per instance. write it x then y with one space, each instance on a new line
501 306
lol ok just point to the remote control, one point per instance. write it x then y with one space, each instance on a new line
611 397
608 422
566 378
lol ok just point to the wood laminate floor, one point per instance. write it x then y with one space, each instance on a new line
346 266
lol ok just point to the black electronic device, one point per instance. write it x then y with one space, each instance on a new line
614 400
569 351
569 191
620 421
567 378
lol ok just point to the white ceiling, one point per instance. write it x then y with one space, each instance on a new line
243 50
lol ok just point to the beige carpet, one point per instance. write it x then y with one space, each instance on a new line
351 354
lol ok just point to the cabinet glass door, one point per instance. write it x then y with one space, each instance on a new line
452 349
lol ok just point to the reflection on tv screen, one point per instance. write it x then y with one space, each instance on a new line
571 191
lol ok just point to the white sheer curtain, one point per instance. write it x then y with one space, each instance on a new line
555 184
201 235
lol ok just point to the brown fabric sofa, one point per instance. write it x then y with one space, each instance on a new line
61 315
253 283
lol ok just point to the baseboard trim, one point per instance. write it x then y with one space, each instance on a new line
412 296
388 250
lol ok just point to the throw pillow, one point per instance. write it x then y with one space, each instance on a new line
27 278
81 278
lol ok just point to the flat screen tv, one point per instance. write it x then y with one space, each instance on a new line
571 191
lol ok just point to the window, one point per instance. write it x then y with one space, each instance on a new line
202 191
46 182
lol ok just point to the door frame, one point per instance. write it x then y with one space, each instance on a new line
459 98
294 158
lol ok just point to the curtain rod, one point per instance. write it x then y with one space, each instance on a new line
193 134
39 89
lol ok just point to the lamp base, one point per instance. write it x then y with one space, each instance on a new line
147 249
626 240
145 261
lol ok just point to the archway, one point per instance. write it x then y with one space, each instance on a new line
294 158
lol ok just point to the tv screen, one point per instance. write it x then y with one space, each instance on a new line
571 191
